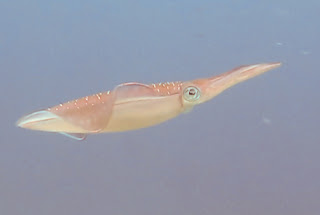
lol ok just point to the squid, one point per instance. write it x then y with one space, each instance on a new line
133 105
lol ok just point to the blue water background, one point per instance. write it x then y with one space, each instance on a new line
252 150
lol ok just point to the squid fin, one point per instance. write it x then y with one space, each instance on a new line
90 114
133 91
76 136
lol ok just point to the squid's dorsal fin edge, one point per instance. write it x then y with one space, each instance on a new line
75 136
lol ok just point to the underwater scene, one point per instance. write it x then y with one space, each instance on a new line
159 107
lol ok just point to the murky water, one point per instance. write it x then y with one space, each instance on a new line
252 150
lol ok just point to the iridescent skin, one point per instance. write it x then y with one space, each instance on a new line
133 105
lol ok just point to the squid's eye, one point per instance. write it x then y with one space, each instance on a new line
191 94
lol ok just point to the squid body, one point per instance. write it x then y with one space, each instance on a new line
134 105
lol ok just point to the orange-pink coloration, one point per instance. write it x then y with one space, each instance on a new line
134 105
167 88
90 113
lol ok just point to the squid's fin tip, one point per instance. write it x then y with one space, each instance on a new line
35 117
75 136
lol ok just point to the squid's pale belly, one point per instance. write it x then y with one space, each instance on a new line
145 113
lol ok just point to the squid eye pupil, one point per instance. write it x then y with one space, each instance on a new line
192 92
